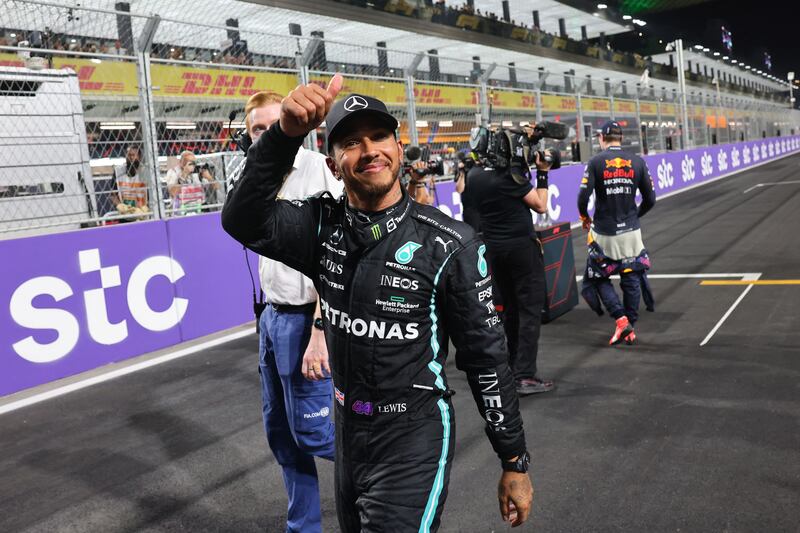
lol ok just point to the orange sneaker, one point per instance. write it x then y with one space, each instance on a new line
624 329
631 338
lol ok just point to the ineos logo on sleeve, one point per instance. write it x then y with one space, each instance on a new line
354 103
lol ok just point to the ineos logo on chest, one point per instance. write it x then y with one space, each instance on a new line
398 282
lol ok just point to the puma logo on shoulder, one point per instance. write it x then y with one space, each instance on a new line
444 244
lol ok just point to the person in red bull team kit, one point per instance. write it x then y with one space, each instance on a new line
396 279
615 236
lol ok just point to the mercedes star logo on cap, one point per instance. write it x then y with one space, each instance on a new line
354 103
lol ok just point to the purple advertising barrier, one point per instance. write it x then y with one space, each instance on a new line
219 287
75 301
671 172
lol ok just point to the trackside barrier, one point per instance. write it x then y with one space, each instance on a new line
75 301
671 172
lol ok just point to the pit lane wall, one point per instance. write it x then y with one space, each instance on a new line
73 302
671 172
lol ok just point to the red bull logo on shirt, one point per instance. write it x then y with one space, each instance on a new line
618 162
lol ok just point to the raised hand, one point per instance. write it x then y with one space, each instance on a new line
306 106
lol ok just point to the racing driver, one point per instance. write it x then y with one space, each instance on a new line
396 280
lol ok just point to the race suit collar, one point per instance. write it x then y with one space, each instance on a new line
370 228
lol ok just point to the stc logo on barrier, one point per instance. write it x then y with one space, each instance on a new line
99 326
735 158
706 164
722 161
687 169
666 176
553 209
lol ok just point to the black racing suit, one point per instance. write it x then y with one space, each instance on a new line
614 176
394 286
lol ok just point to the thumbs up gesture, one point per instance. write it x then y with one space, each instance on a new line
306 106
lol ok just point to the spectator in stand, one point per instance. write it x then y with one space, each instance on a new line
187 187
131 195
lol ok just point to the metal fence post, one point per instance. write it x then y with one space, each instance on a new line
661 144
579 110
484 104
411 104
539 112
611 106
146 106
484 84
303 59
639 119
411 111
539 84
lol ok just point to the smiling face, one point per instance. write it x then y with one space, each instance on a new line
368 157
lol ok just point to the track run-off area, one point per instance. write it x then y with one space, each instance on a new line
695 428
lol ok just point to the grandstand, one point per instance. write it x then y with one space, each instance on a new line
202 64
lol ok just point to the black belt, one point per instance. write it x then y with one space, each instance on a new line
286 308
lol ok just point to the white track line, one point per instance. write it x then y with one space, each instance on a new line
112 374
743 275
793 182
748 277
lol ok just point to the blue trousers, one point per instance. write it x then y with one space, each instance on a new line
631 294
298 413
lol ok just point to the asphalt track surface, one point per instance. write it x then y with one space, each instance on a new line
663 436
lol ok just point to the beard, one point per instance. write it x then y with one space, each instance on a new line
372 190
132 167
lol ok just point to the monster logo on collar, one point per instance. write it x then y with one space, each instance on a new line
405 253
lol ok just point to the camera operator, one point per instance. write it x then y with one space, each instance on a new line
187 183
420 183
516 258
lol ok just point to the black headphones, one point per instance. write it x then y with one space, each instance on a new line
240 138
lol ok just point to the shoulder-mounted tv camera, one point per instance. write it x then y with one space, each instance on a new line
516 148
433 166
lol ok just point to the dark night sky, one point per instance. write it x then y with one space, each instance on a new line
756 26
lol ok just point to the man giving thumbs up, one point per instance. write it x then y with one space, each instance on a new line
396 279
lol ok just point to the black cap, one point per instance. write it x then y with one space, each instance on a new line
611 127
353 105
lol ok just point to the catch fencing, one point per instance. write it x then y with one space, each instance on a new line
104 145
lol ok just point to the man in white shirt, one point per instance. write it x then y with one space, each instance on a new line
296 386
186 186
